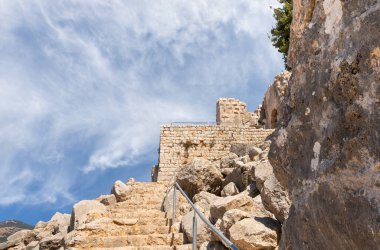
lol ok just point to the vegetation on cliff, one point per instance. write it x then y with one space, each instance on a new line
281 33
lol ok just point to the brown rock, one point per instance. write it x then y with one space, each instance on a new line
241 149
226 161
200 175
327 152
255 233
82 211
203 232
229 219
205 199
107 200
229 190
240 201
121 191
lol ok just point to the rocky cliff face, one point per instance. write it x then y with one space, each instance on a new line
9 227
327 153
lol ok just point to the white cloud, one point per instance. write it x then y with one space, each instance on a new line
104 75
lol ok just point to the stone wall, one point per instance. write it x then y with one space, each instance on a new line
233 112
179 144
271 113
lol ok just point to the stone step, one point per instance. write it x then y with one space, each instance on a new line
148 186
141 213
150 221
157 247
184 247
131 240
149 192
133 207
119 229
146 196
146 199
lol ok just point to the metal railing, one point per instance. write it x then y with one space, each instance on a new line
193 123
200 214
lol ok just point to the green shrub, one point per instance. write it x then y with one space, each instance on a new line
281 33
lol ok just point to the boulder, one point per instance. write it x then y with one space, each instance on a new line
261 172
120 190
85 211
229 189
107 200
226 161
254 153
34 245
53 242
229 219
203 232
200 175
241 149
60 223
212 245
21 238
205 199
241 176
240 201
255 233
275 198
226 171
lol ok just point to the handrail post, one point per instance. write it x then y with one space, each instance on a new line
174 198
195 231
205 220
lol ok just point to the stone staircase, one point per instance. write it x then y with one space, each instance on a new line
137 223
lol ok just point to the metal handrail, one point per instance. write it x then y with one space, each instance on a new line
193 123
200 214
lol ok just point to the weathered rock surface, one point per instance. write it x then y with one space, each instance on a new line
120 190
241 149
327 151
212 245
255 233
107 200
254 153
226 161
274 197
241 201
9 227
203 232
229 219
200 175
205 199
84 211
229 190
241 176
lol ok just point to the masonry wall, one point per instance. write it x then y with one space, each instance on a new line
179 144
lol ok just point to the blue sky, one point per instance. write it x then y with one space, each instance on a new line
85 85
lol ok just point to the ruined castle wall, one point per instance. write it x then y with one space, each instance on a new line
179 144
233 112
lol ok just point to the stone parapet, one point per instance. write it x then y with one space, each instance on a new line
179 144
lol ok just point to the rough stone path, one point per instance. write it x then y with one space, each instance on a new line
137 223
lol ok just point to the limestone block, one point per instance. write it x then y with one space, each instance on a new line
255 233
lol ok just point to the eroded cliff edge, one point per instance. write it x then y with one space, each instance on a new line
327 149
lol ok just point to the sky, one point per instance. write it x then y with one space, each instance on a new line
85 86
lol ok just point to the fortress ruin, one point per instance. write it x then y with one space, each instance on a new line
180 143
